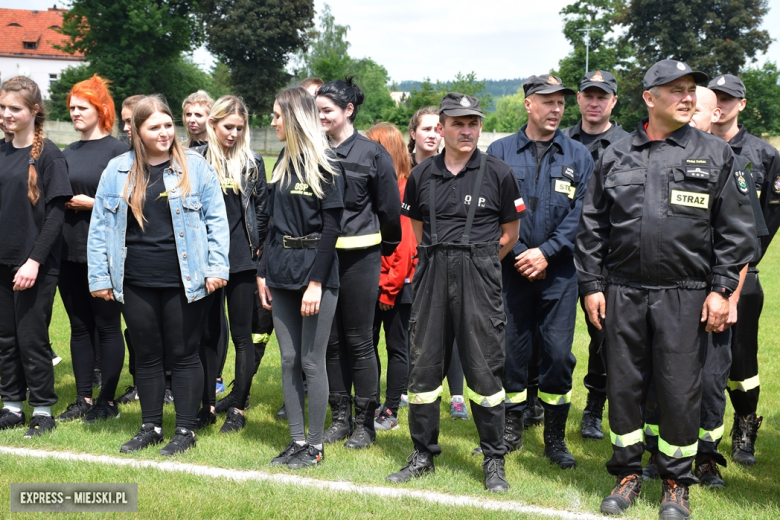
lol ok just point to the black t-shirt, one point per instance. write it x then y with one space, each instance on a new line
240 254
86 162
21 221
152 259
587 139
499 200
297 212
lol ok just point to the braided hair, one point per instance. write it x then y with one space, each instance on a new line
30 95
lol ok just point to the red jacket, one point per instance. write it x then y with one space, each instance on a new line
398 268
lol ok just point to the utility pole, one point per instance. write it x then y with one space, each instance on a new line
587 31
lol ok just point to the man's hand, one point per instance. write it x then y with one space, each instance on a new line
715 311
530 263
596 307
732 319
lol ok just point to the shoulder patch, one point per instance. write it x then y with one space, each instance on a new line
776 184
739 176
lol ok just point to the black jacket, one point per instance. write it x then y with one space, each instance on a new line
597 147
372 204
664 214
254 199
765 169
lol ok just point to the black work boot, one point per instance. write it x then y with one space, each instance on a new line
534 412
708 473
513 430
495 478
674 501
554 440
364 434
417 464
591 417
341 413
623 496
743 438
650 472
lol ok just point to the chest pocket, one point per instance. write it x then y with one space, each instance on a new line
111 205
193 214
563 185
690 197
626 191
356 196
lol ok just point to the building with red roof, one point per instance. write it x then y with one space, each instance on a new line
27 40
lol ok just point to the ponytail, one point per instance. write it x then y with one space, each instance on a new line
342 93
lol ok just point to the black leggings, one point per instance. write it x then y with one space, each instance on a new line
162 323
92 321
350 356
396 325
240 292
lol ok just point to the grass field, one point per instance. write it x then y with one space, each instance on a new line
751 494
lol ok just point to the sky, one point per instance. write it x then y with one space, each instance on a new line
413 40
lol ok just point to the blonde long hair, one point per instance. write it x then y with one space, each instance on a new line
138 177
306 147
239 158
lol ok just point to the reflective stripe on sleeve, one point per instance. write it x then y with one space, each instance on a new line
555 399
424 397
711 435
358 242
744 386
627 439
516 397
651 430
677 452
486 401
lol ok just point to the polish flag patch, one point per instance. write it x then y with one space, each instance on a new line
519 205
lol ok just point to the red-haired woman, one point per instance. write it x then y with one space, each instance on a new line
93 321
34 188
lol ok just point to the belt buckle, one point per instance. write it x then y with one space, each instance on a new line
284 242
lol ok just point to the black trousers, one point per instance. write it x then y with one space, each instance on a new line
163 324
457 296
93 321
396 325
262 328
25 357
714 378
351 359
743 384
596 378
654 336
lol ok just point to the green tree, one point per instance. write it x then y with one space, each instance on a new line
59 90
510 114
762 112
221 84
255 40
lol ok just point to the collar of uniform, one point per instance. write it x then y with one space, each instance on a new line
679 136
738 141
523 141
440 169
577 130
344 148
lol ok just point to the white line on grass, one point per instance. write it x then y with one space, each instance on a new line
296 480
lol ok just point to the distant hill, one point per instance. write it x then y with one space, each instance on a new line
496 87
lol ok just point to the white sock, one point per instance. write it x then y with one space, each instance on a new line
457 399
318 446
14 406
42 410
300 443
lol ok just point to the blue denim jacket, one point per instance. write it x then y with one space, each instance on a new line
199 224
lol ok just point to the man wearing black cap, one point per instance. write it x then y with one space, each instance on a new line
539 279
668 217
597 97
465 208
743 384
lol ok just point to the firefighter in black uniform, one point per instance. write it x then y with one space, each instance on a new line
465 207
597 98
669 218
539 280
743 383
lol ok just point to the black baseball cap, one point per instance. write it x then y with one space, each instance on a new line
545 84
601 79
456 104
666 71
730 84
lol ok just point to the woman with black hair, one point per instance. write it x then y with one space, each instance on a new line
370 229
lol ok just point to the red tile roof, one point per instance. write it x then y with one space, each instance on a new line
20 26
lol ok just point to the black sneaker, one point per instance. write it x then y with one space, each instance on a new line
130 395
285 456
626 492
306 457
168 398
102 411
495 478
183 440
75 410
148 435
205 418
234 421
40 424
9 419
226 403
386 420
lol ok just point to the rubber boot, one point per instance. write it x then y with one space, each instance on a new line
554 440
364 434
341 412
743 438
591 417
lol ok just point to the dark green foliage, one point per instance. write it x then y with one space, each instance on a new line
762 112
509 116
59 90
495 87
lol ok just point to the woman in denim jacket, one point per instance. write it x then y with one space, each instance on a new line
158 243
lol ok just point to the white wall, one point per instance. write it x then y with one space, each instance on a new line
37 69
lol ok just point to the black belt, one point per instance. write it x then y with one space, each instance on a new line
307 242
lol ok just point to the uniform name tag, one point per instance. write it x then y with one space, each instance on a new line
566 188
691 199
